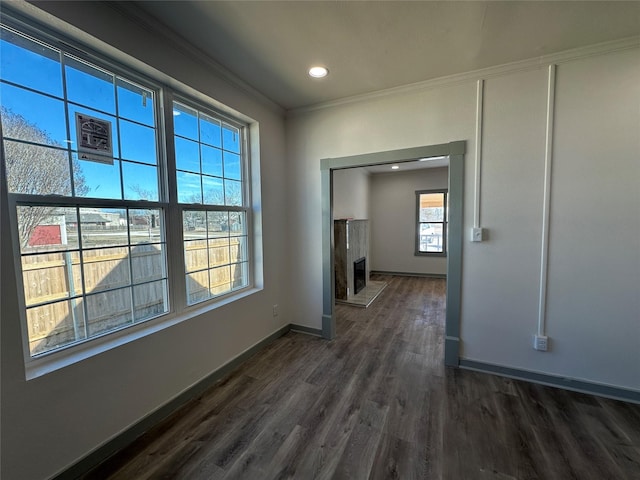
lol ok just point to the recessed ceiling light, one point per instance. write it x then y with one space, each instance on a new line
395 167
318 72
428 159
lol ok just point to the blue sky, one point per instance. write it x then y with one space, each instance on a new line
204 147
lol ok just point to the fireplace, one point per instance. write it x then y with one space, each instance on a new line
359 275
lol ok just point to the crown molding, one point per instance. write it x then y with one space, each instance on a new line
134 13
480 74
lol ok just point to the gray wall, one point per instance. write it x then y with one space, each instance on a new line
393 220
351 194
51 421
593 282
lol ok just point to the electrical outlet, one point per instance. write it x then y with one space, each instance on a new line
541 342
477 234
275 310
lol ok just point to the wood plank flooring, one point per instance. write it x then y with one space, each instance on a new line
377 403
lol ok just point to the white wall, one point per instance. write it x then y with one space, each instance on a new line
393 220
50 422
594 261
594 271
351 194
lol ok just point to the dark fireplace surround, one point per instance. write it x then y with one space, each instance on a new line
359 275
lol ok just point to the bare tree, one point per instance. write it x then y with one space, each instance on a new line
143 193
34 169
151 216
216 220
198 219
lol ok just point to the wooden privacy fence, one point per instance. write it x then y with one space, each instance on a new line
214 266
121 288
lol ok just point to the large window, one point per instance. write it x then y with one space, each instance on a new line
93 195
431 222
209 172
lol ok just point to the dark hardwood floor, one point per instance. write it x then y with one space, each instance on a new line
377 403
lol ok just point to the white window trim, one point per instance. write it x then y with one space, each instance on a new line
132 69
247 176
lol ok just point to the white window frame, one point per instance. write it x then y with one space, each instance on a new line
176 208
177 309
445 223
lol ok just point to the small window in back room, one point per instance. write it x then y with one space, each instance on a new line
431 222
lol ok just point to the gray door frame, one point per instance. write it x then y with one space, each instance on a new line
455 151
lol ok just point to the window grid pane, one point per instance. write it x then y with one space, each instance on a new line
215 253
431 237
87 271
28 62
208 159
33 106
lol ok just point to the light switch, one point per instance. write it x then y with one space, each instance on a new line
477 234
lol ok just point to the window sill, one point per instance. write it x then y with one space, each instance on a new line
430 254
37 367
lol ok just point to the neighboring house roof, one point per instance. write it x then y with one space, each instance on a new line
86 218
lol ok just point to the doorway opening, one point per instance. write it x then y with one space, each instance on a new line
455 152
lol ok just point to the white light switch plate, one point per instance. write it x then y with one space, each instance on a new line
541 342
477 234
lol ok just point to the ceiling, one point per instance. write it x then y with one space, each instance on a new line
375 45
432 162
